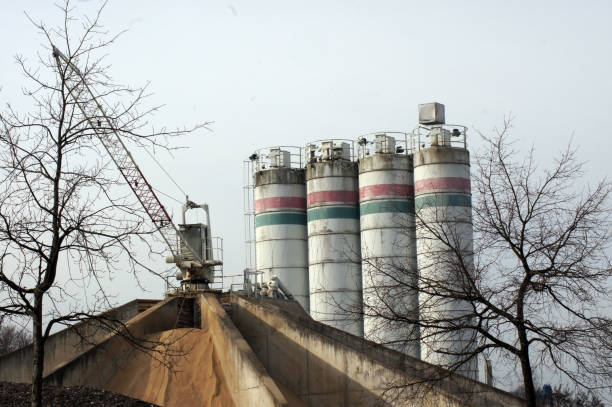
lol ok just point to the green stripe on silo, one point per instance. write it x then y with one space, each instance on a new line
333 212
373 207
438 200
280 218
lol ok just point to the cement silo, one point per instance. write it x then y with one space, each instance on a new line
333 235
388 242
280 220
443 228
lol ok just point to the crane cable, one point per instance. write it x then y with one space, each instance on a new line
159 165
165 172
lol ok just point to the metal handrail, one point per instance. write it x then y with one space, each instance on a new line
421 132
365 142
261 157
317 143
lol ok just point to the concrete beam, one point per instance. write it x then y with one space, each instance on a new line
95 366
247 379
63 345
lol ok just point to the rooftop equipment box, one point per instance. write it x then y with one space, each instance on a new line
431 113
279 158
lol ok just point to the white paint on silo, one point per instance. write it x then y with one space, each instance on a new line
443 223
388 244
280 223
333 236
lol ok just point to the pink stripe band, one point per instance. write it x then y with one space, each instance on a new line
280 202
332 196
372 191
442 183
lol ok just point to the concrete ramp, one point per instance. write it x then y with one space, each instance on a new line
324 366
68 343
184 351
262 353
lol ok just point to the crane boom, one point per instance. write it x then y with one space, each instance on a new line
130 171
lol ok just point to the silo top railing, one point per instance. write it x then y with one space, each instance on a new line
277 157
367 143
318 150
448 135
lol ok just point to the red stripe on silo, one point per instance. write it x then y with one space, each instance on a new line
332 196
372 191
442 183
280 202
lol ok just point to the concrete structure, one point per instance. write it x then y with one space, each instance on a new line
388 244
333 236
257 352
280 223
444 212
325 366
68 343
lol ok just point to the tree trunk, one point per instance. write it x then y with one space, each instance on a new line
38 352
530 393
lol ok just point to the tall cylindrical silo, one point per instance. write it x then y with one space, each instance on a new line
444 246
333 236
280 223
388 244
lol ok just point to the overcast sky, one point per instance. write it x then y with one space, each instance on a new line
285 72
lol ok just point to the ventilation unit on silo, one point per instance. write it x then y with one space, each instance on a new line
388 241
443 223
280 220
333 235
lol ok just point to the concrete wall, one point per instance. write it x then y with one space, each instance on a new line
325 366
246 377
62 346
95 366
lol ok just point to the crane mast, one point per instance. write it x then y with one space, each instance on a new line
196 265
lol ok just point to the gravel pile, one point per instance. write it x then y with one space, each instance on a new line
18 395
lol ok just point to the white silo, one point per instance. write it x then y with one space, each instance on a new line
333 235
280 220
444 229
388 242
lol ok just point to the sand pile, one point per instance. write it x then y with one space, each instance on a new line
190 374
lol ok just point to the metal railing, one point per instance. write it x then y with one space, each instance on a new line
318 150
367 143
249 214
276 157
217 252
448 135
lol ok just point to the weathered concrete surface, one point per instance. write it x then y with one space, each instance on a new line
385 162
324 366
95 366
64 345
246 377
269 353
280 176
440 154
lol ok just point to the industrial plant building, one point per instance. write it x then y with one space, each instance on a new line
332 230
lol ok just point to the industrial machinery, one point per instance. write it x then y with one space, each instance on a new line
189 244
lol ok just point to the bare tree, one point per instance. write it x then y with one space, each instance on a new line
531 288
13 337
564 398
67 221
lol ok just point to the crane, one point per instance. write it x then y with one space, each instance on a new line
190 244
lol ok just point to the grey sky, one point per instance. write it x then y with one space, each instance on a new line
278 72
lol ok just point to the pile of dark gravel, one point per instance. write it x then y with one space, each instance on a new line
18 395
